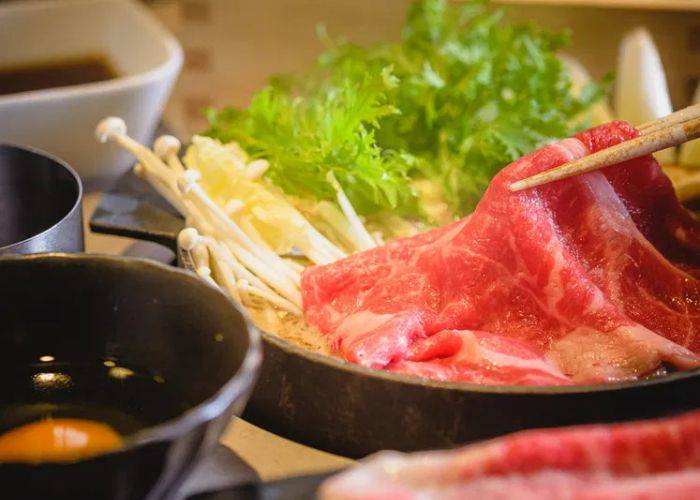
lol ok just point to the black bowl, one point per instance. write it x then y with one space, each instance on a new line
152 350
40 203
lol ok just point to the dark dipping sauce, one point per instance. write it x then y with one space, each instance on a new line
55 73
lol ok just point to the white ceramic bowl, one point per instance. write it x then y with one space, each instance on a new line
62 120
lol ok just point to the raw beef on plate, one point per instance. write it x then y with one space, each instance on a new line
585 280
640 460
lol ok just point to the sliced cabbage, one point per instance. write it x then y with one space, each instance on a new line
260 209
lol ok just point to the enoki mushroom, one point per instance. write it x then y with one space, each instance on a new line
228 254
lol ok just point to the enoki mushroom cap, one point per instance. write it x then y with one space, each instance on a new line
109 127
188 238
166 145
187 180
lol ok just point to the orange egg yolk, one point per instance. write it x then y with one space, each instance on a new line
58 440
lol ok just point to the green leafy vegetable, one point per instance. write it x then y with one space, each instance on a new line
462 95
329 129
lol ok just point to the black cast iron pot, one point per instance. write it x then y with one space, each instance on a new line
149 349
327 403
40 203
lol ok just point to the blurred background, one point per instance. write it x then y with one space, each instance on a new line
233 46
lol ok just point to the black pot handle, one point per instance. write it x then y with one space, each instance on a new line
133 209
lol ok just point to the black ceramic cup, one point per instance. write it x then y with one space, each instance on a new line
162 357
40 203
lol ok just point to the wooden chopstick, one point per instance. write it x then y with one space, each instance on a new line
671 133
680 116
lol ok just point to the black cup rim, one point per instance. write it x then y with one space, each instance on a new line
75 207
240 383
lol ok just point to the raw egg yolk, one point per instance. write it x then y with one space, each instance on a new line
58 440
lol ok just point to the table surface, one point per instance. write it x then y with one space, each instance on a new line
271 456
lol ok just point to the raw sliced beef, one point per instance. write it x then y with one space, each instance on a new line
650 199
595 274
649 460
470 356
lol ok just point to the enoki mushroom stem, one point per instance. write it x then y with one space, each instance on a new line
226 248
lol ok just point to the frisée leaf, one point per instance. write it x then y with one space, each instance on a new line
461 95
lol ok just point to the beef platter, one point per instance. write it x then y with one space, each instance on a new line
573 302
